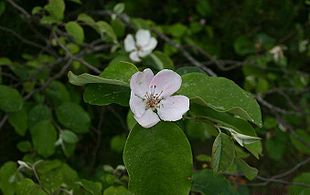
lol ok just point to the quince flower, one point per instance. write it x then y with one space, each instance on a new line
277 53
151 97
140 47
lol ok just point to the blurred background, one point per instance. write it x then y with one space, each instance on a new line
263 46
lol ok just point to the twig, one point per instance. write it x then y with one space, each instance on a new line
185 53
275 178
69 54
22 10
28 42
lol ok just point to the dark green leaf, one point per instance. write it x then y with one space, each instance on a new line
247 170
73 117
10 99
300 190
28 187
39 113
207 182
158 160
222 95
7 177
44 137
19 120
117 190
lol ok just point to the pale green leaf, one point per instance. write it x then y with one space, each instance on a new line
56 9
86 78
76 31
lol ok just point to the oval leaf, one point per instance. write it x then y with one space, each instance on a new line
73 117
166 150
76 31
10 99
222 95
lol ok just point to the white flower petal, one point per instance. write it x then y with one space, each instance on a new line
143 53
173 108
151 44
166 83
134 56
137 105
148 119
143 37
129 43
139 82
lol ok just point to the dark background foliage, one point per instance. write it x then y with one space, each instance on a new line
232 38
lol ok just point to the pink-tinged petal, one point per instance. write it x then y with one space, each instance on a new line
148 119
134 56
143 37
137 105
139 82
173 108
166 82
129 43
150 45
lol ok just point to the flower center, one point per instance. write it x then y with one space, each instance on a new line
152 99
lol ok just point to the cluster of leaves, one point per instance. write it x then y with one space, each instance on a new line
69 138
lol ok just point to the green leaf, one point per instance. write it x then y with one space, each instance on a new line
57 93
116 70
76 31
244 46
7 177
224 119
299 139
76 1
247 170
119 8
223 153
28 187
199 130
158 160
104 94
24 146
69 137
19 120
56 8
44 137
277 145
222 95
87 20
10 99
116 190
103 28
300 190
207 182
2 7
73 117
117 143
38 113
88 187
161 61
131 121
55 173
86 78
5 61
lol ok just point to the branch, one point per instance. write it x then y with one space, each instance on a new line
22 10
